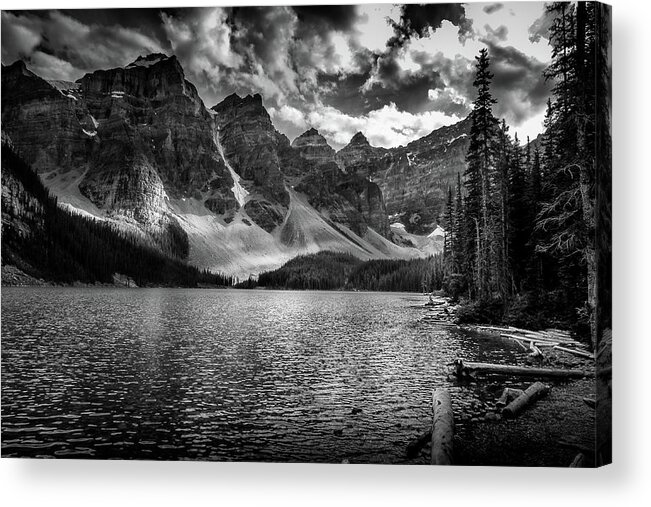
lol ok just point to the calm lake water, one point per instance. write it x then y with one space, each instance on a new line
223 374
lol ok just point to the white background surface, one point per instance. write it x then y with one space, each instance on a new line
627 482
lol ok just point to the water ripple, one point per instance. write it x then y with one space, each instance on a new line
223 375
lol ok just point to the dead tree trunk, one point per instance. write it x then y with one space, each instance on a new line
531 394
462 369
442 428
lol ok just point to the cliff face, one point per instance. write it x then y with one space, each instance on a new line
314 148
413 178
122 141
137 146
45 122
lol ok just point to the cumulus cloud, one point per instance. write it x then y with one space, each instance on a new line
387 126
289 120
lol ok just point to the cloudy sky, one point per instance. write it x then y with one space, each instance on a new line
394 72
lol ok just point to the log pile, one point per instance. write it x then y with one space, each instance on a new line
553 338
440 312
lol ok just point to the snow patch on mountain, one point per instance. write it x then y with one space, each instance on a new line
239 192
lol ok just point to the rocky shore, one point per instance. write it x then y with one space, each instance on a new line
13 276
551 432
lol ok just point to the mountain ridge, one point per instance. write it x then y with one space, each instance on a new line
137 146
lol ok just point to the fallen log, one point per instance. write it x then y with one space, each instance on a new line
414 447
552 338
442 428
579 461
535 351
462 369
529 339
508 395
579 353
532 393
538 343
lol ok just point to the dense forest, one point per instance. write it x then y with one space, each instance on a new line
522 221
47 241
333 271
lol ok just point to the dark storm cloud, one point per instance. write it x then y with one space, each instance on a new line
417 19
490 9
324 18
407 89
410 90
146 21
518 83
59 46
343 92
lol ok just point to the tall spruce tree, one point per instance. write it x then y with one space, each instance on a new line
567 218
479 180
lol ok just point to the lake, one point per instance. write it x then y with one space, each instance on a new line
225 375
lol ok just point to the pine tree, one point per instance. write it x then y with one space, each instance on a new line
448 226
479 178
459 217
567 222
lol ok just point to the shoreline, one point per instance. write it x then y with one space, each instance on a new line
550 432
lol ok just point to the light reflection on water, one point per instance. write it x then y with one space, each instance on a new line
222 374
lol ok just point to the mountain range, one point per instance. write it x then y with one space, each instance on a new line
136 146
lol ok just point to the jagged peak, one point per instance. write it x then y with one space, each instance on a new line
234 100
311 137
359 138
18 66
310 133
149 60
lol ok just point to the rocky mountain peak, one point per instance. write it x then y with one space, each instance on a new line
310 137
249 106
313 146
17 66
149 60
311 132
154 76
359 138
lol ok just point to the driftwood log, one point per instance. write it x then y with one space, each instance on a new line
532 393
535 351
539 343
508 395
464 369
579 353
579 461
442 428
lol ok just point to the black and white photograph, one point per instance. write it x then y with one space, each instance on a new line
344 234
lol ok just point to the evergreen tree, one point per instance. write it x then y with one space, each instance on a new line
479 178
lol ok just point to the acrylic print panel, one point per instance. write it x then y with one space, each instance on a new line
349 234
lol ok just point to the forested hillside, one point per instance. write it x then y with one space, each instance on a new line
332 271
47 241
